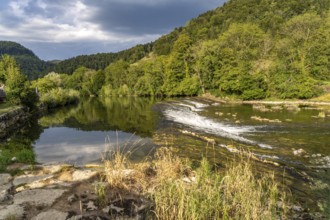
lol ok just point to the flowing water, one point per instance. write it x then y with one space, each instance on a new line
292 141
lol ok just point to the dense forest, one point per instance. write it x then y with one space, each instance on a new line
30 64
247 49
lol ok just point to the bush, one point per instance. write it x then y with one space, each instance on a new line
189 86
59 97
289 86
107 90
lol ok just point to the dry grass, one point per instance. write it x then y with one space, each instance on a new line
323 98
180 193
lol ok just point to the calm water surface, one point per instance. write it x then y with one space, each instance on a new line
195 127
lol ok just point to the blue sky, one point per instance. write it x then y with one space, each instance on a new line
59 29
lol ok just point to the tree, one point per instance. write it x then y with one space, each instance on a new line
297 42
16 84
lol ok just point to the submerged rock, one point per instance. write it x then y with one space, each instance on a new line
299 152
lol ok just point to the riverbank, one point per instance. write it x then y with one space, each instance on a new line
267 102
13 119
164 188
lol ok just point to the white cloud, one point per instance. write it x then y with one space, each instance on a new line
66 22
49 27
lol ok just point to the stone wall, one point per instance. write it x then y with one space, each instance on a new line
13 120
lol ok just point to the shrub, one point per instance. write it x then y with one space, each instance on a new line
59 97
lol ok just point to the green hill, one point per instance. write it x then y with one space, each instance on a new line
30 64
248 49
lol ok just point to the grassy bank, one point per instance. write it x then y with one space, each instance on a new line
16 150
178 191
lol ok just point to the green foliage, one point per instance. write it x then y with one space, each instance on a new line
189 86
17 149
246 49
59 97
50 81
17 87
101 60
291 86
106 90
31 65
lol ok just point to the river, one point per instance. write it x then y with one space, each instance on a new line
291 141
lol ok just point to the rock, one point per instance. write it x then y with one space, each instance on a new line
38 196
299 152
91 206
5 196
11 212
5 178
7 187
297 208
14 159
72 198
76 217
80 175
5 192
106 210
55 168
116 208
51 215
26 179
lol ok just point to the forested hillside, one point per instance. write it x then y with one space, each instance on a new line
247 49
101 60
30 64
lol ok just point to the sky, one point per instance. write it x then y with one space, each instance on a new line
60 29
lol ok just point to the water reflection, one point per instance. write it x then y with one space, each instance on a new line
79 134
61 144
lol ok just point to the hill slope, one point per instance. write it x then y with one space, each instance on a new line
249 49
30 64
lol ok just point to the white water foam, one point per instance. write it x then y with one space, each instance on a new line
189 118
197 104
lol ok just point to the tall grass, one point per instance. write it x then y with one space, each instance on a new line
179 192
